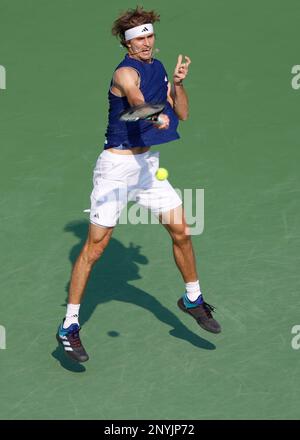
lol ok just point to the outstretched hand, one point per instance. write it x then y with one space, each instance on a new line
181 69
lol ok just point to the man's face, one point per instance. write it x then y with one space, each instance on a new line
141 48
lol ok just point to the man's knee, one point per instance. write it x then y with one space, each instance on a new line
181 238
94 247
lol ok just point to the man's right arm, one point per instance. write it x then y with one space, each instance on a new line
126 80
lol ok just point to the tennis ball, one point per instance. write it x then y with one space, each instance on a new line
161 174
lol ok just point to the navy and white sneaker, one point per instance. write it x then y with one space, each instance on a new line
70 340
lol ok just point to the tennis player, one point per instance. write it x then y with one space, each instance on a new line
126 169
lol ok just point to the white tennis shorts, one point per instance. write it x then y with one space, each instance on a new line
120 178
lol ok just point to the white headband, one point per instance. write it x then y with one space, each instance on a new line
138 31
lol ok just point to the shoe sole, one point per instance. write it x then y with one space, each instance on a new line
185 310
69 355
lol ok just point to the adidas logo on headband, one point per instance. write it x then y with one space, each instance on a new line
137 31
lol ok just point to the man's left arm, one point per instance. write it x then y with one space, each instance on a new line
177 95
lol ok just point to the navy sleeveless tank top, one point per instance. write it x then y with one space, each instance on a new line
154 87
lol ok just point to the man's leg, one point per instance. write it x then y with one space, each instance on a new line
192 302
98 238
174 222
68 332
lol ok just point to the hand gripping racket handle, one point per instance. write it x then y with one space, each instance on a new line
157 120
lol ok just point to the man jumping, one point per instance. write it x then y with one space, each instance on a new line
127 168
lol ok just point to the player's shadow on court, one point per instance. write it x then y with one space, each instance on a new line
109 282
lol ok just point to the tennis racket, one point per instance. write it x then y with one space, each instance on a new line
149 112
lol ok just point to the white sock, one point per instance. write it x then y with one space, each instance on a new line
193 290
72 315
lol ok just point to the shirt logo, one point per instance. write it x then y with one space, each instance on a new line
166 79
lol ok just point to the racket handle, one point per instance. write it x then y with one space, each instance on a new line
157 120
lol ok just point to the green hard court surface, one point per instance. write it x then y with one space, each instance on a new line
148 360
